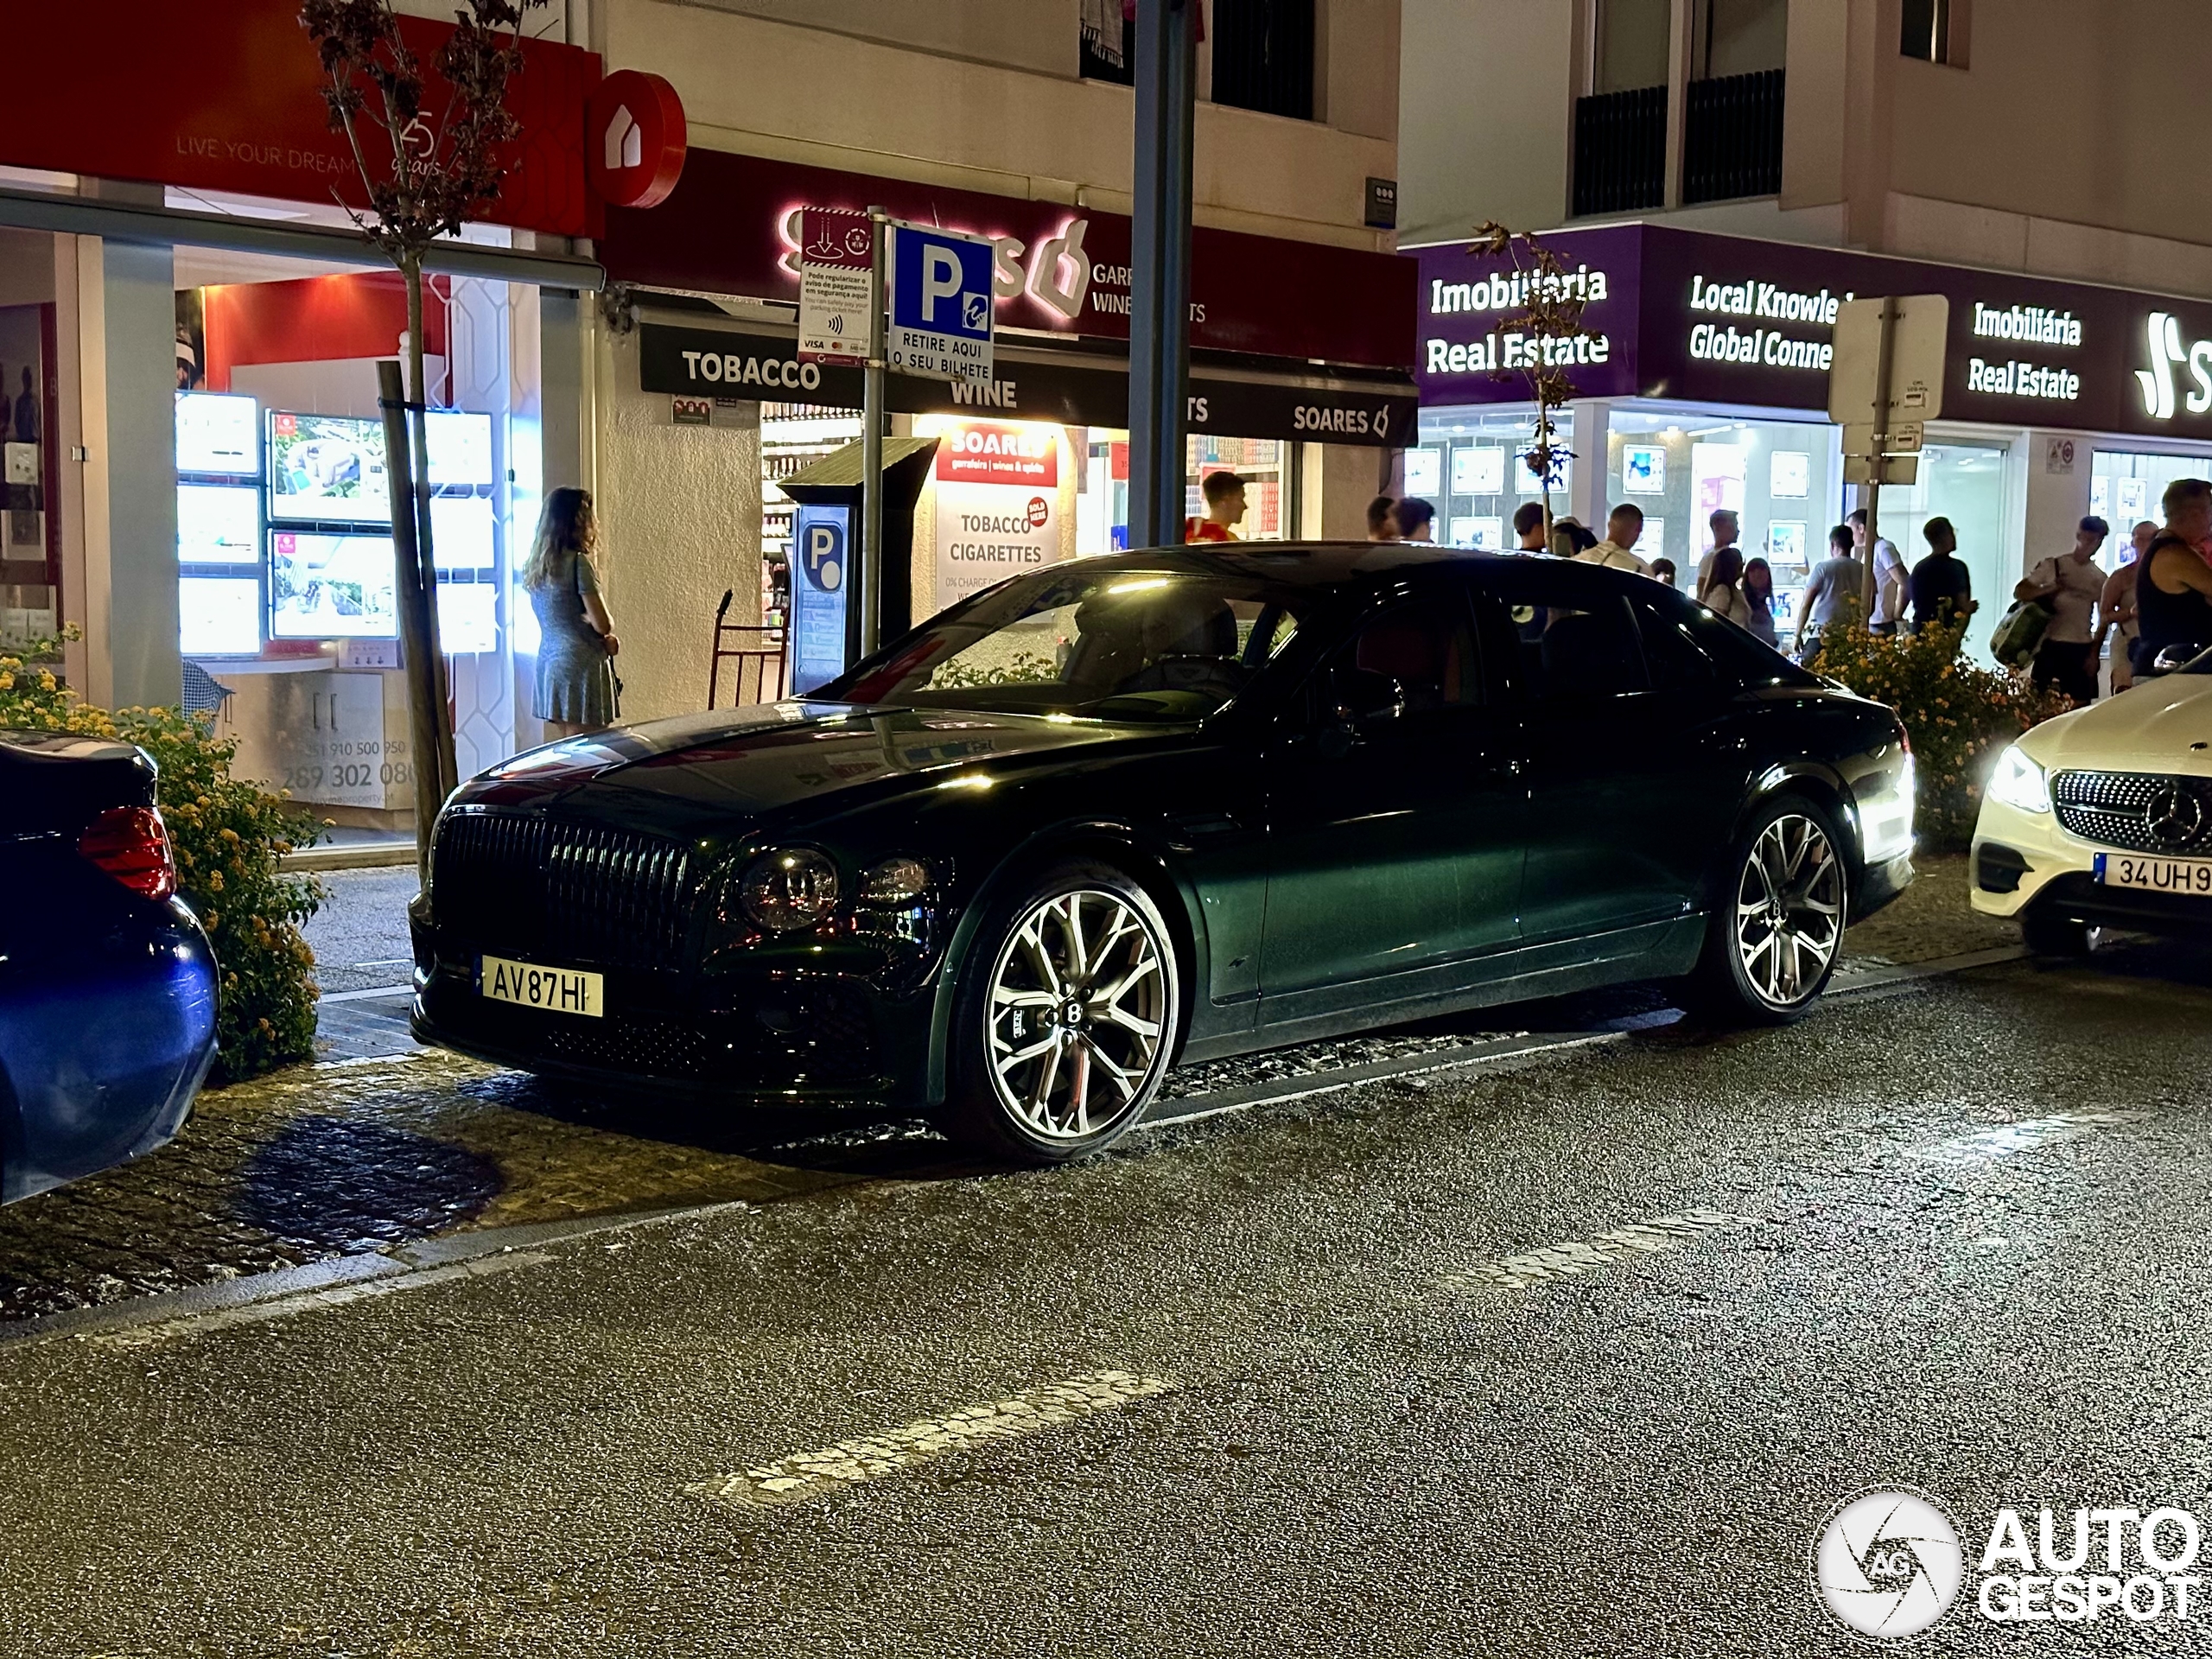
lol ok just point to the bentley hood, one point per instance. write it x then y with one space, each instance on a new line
698 773
2163 725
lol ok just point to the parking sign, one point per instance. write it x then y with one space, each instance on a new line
940 303
819 568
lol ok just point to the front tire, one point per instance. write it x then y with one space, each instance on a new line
1776 930
1065 1016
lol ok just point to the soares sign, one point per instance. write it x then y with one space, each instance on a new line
1680 314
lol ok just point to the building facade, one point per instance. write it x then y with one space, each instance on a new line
1768 147
230 545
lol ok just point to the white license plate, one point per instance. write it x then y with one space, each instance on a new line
2192 876
556 990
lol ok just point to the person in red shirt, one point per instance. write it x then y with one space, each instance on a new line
1224 493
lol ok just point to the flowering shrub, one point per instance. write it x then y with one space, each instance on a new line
1958 714
227 834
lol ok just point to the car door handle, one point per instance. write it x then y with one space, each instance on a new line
1186 830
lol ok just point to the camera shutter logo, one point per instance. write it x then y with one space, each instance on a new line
1888 1564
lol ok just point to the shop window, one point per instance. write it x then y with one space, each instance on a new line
1966 484
2127 489
1263 56
1782 480
1934 31
1472 467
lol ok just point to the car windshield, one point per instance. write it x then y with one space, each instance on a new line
1113 643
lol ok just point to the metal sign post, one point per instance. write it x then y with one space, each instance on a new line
1159 301
1886 382
867 569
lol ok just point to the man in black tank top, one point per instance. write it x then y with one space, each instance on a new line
2173 591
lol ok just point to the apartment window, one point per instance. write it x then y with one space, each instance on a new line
1932 33
1631 45
1263 56
1740 37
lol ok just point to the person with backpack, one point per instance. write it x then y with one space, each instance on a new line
2069 586
1942 586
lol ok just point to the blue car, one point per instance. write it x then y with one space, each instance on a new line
108 988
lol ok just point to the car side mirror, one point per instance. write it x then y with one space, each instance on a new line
2174 658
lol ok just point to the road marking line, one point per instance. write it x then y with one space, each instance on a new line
1579 1256
1987 1145
850 1462
145 1335
368 995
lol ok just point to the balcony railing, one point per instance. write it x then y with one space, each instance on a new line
1732 139
1620 151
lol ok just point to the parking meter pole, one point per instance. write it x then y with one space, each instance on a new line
867 569
1160 271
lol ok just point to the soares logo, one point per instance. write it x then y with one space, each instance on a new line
2163 336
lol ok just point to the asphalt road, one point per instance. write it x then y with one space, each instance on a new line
1569 1359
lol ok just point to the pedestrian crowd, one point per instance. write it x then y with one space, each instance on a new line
2079 607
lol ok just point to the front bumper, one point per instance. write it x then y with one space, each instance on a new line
2025 861
773 1037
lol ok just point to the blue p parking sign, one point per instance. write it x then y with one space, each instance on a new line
940 324
818 588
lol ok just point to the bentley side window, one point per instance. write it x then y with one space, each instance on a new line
1415 660
1572 652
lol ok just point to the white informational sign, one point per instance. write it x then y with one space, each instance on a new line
1919 339
459 441
218 434
218 524
997 515
1790 475
1717 475
940 296
1424 472
1644 469
218 616
837 258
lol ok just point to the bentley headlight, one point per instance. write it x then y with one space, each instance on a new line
894 882
788 889
2018 781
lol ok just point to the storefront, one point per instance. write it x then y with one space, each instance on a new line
1704 386
1299 380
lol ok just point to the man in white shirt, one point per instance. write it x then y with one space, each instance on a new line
1891 577
2071 585
1726 528
1622 530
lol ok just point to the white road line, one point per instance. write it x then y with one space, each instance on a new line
366 996
850 1462
1986 1145
145 1335
1580 1256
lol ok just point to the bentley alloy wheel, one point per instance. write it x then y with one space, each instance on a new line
1075 1015
1789 902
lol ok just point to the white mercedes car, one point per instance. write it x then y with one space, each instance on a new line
2103 818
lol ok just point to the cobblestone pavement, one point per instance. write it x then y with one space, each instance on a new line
396 1143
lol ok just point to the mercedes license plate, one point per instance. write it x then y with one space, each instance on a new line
2191 876
556 990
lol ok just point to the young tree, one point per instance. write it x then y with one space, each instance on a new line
1553 313
430 153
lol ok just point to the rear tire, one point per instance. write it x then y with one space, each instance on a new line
2058 936
1065 1016
1780 907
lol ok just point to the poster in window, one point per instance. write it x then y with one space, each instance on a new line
1424 472
1651 543
1785 541
1644 469
1717 474
1484 535
1790 475
2134 498
2101 502
1478 469
1532 482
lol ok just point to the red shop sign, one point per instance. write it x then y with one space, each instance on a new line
731 227
637 139
979 453
229 97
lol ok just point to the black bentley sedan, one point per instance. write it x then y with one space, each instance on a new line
1185 803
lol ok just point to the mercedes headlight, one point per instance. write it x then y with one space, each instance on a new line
2018 781
788 889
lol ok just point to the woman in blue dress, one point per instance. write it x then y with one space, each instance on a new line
576 644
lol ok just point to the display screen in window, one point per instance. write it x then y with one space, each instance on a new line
218 524
460 448
218 435
461 531
327 466
331 587
218 616
467 621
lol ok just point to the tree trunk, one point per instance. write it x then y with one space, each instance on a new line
425 714
446 774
